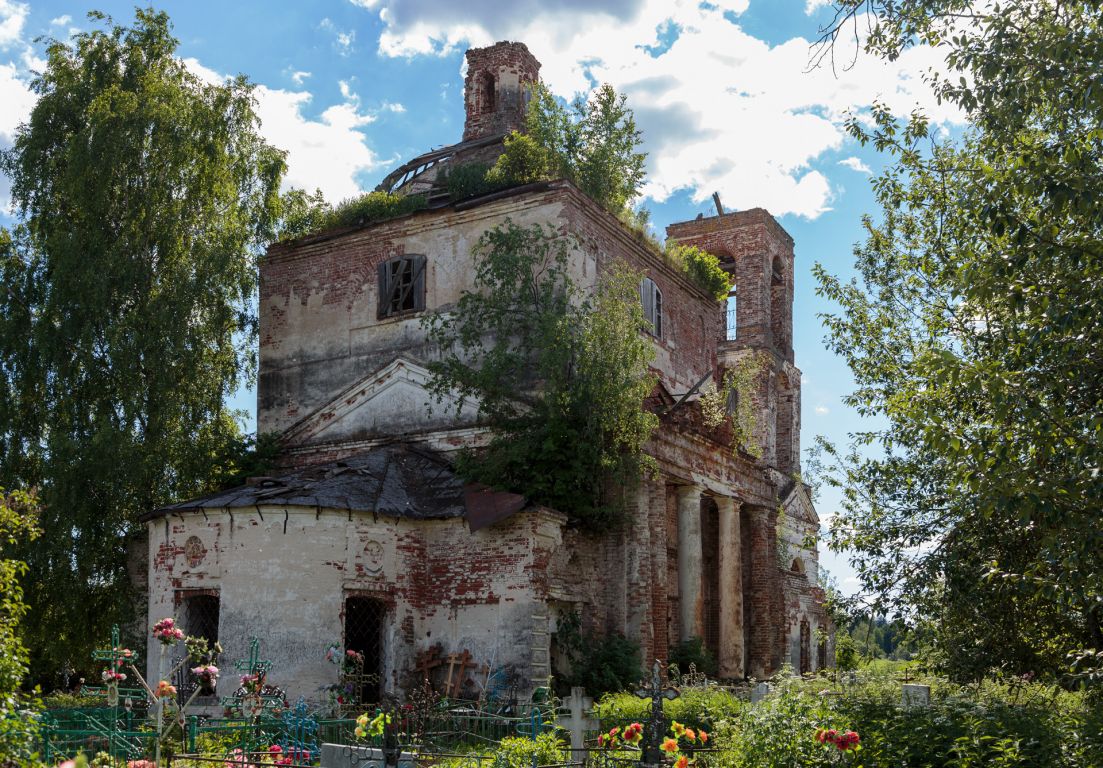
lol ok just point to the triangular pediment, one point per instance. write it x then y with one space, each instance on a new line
798 505
391 401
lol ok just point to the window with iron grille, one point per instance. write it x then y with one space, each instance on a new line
199 616
365 618
652 300
401 285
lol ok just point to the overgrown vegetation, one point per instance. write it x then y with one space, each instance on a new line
693 654
974 337
732 402
560 375
701 267
305 214
600 664
18 731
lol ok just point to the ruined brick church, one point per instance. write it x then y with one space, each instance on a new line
369 540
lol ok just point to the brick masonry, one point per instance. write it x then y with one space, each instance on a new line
335 380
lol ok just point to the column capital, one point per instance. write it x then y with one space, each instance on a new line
686 492
728 504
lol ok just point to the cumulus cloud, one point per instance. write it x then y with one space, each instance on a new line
822 410
328 153
299 76
342 40
61 21
720 109
811 6
12 18
855 164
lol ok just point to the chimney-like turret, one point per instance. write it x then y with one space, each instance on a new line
495 89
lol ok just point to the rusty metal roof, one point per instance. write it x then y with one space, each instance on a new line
394 481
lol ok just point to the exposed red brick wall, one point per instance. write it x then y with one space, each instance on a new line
494 90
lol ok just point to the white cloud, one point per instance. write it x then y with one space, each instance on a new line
393 106
327 153
720 110
298 76
822 410
811 6
12 18
61 21
855 164
343 41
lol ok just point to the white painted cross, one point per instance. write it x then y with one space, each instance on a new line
579 720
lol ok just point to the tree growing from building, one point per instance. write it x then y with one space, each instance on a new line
559 375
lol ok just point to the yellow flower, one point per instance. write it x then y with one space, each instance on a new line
670 746
677 728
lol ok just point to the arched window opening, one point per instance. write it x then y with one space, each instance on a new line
798 565
652 299
488 93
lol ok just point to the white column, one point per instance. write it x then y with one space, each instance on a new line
731 590
689 562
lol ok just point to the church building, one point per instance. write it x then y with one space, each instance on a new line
369 540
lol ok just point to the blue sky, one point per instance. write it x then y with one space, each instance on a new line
722 92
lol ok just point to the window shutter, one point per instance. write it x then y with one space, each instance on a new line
384 290
419 282
657 308
647 299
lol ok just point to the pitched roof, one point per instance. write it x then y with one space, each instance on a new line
393 480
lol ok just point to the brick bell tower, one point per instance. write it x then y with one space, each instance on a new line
495 90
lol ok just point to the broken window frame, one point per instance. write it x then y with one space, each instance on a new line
652 300
401 286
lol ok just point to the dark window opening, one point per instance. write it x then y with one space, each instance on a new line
710 574
488 93
401 285
364 621
821 653
199 616
652 299
805 647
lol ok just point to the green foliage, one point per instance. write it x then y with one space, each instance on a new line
599 664
519 751
973 334
18 729
128 311
702 268
467 181
309 214
1005 725
594 143
692 652
560 376
695 707
523 162
736 388
846 652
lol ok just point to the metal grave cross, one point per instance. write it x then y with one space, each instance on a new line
254 665
116 657
255 697
652 755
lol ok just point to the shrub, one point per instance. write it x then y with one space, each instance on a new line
523 162
702 268
309 214
518 752
598 664
466 181
696 707
693 652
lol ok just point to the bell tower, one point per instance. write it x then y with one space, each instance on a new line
495 90
758 253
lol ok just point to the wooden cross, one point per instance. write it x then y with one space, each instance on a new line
455 683
427 661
